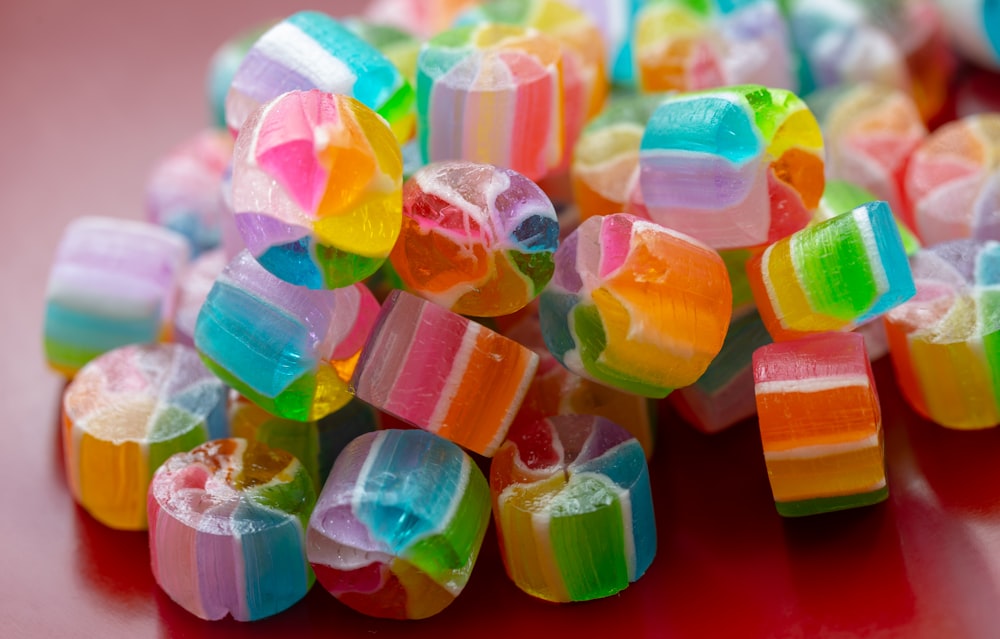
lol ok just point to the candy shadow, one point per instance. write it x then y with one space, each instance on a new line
114 565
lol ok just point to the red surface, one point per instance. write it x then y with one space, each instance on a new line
93 92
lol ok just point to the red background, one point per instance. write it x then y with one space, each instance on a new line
92 93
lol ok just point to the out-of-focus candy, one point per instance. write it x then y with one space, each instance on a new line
688 45
492 93
974 27
476 239
398 526
945 342
635 305
734 167
820 424
425 18
443 373
112 283
573 508
290 350
840 196
316 188
311 50
222 68
195 283
953 181
832 276
399 46
615 19
124 414
227 529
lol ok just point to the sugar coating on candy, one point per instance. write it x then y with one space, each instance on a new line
734 167
476 239
124 414
953 181
227 527
311 50
974 27
430 368
289 349
945 342
687 45
112 283
222 68
399 523
832 276
573 508
492 93
635 305
316 188
820 424
840 196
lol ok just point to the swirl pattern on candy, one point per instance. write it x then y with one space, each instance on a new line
833 276
195 284
573 508
311 50
734 167
124 414
316 189
227 527
112 283
476 239
840 196
399 523
429 367
290 350
635 305
945 342
820 424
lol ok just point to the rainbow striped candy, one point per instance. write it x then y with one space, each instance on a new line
820 424
832 276
573 508
425 18
398 526
196 282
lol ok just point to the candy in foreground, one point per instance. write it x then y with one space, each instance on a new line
124 414
734 167
476 239
443 373
227 529
573 508
832 276
289 349
945 342
316 188
635 305
398 526
820 424
112 283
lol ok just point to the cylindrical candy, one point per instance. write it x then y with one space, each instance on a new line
398 526
476 239
227 529
635 305
124 414
290 350
316 188
222 68
573 508
196 282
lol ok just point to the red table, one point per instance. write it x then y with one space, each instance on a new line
94 92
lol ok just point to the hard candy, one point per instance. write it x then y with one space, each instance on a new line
974 28
196 282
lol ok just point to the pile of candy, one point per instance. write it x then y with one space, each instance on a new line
507 227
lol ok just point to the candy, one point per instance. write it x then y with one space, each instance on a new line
398 46
444 373
820 424
832 276
310 50
840 196
734 167
290 350
222 68
635 306
425 18
316 189
195 284
398 526
953 181
573 508
476 239
945 342
124 414
227 529
974 27
112 283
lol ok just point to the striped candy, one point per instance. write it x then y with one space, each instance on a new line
820 424
196 282
398 526
573 508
